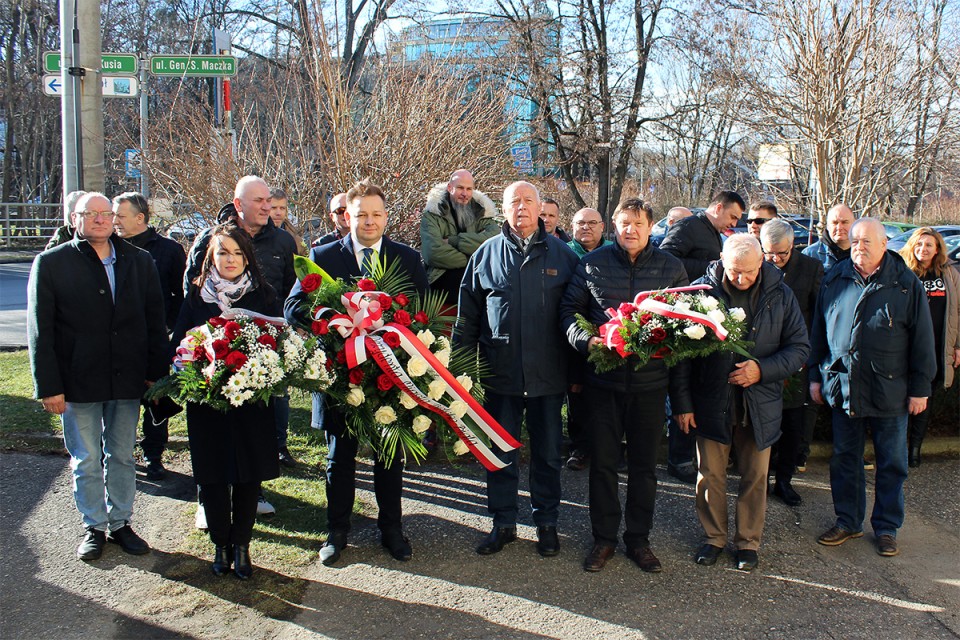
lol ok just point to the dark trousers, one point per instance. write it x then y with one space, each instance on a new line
787 448
155 436
578 422
449 283
230 515
281 413
341 480
639 417
545 428
918 423
681 447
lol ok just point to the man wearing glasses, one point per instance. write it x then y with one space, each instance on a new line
760 212
95 325
802 274
338 215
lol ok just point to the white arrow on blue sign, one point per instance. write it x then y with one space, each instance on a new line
112 86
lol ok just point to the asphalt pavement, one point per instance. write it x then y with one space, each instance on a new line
800 590
13 304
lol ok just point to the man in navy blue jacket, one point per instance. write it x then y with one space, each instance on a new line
510 309
348 259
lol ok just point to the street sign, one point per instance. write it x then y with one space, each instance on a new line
131 160
113 86
116 63
194 66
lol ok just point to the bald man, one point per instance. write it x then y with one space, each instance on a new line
872 361
510 311
834 244
456 220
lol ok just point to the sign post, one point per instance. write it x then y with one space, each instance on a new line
193 66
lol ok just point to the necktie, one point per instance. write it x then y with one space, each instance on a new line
366 265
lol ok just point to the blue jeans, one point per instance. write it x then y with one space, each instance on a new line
100 437
847 477
545 428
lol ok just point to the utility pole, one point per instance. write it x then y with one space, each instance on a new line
144 126
82 102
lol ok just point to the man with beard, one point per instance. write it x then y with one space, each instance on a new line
456 220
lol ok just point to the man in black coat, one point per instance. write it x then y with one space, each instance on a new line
350 259
734 402
803 275
131 220
622 402
97 339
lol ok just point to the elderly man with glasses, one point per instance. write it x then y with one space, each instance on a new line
95 325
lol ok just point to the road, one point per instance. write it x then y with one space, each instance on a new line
13 304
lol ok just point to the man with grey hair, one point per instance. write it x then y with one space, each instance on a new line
803 275
510 311
456 220
872 361
97 341
730 401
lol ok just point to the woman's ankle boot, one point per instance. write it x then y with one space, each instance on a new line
222 558
241 561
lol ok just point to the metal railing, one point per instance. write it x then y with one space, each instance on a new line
28 226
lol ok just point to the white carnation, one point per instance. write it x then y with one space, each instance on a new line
355 397
385 415
436 389
421 423
696 332
417 367
407 401
426 337
465 382
460 448
709 302
717 316
738 314
681 305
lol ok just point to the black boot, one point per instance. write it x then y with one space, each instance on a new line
222 558
241 561
913 459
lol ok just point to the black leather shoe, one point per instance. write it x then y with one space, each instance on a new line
397 544
495 542
785 492
128 541
286 459
155 470
596 560
577 461
684 474
747 559
330 551
222 559
241 561
913 458
548 542
707 555
91 547
644 558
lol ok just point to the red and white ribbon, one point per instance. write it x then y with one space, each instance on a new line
645 302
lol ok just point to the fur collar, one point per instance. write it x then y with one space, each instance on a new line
439 191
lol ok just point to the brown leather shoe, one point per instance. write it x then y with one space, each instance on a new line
835 536
644 558
598 556
887 545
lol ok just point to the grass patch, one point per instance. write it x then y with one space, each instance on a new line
24 425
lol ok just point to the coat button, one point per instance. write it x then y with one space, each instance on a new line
102 291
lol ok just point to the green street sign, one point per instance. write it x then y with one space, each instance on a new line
202 66
111 63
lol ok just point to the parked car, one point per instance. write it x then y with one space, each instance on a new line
946 230
896 228
953 248
186 229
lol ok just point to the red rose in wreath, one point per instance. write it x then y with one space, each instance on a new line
356 376
402 317
645 318
342 356
320 328
235 360
268 340
385 301
384 383
216 322
366 284
626 308
657 335
311 282
392 340
231 330
401 299
421 317
220 348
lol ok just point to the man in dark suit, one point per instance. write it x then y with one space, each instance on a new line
803 275
352 258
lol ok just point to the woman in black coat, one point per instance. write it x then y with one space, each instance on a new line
233 451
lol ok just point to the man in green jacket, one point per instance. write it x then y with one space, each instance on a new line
456 220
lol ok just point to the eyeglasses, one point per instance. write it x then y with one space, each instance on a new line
586 223
90 215
757 220
779 254
339 211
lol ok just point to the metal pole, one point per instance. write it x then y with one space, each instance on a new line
70 103
144 125
91 102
